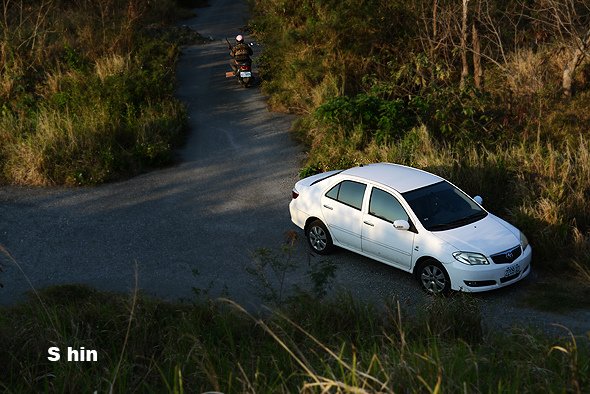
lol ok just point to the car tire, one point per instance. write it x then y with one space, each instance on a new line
433 278
319 238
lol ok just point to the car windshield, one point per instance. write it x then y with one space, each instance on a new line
441 206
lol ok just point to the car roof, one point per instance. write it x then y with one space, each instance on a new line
398 177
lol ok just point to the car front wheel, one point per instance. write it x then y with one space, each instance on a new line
434 278
319 238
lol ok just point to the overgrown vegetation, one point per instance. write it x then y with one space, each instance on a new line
86 89
491 94
306 346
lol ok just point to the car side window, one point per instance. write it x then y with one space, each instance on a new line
333 193
385 206
349 193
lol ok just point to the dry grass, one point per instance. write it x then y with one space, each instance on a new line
581 261
58 81
525 72
76 106
112 64
6 85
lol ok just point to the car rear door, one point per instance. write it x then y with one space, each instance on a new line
379 238
342 211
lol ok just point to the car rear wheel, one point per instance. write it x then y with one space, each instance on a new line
319 238
434 278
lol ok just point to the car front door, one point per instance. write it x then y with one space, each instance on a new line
342 210
379 238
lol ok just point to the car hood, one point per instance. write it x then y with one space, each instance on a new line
489 235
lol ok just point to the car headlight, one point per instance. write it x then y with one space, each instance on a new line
470 258
524 242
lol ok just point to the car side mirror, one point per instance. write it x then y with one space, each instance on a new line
478 200
401 225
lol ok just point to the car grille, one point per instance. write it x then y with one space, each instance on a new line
507 256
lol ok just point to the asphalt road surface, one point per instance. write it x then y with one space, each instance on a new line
197 224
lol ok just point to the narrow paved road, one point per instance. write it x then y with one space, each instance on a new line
198 223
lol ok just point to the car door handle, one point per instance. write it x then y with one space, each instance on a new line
328 207
369 223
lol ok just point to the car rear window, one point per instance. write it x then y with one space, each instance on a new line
348 192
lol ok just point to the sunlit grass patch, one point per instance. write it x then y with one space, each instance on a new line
111 65
89 98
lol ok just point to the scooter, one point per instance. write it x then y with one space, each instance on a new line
244 73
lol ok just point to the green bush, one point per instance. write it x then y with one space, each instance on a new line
380 120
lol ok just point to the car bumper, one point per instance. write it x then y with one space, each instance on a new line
297 216
476 278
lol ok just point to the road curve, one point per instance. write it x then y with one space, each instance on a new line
197 224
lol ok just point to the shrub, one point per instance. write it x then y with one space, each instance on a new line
380 120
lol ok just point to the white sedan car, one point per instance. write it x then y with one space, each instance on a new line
415 221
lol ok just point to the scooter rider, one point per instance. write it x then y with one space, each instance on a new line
240 52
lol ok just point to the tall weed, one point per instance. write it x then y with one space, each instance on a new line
305 346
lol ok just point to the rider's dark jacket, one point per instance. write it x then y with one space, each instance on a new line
241 52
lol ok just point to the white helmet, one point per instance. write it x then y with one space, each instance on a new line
239 38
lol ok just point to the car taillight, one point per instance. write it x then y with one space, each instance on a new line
294 194
244 67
